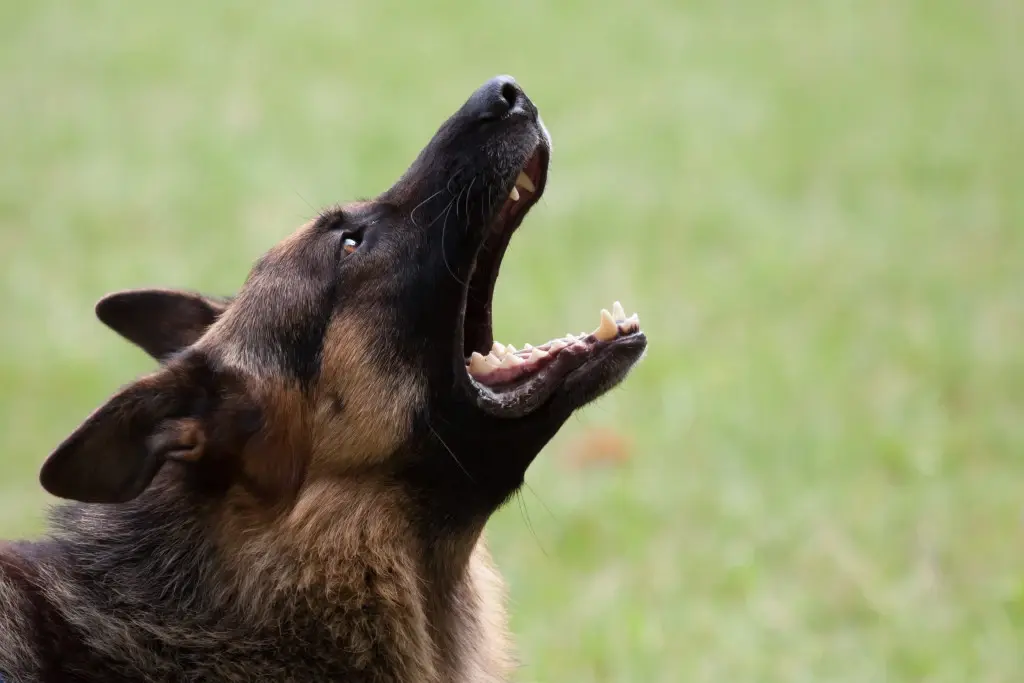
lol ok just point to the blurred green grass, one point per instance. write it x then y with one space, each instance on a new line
817 209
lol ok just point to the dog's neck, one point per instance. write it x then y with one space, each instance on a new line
335 573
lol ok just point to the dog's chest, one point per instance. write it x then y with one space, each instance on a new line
474 645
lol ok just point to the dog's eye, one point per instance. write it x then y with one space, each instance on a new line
350 243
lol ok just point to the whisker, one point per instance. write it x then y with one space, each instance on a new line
444 256
444 230
412 214
304 200
525 513
541 500
442 213
468 191
451 179
450 452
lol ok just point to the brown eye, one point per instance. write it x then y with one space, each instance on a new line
350 244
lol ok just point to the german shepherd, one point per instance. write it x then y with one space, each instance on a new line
299 491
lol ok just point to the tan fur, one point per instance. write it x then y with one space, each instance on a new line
275 463
308 552
330 446
364 405
491 661
15 625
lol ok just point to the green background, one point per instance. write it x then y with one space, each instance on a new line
817 209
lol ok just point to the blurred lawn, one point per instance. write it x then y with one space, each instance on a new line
816 207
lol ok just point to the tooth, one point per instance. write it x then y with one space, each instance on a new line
510 349
607 330
498 349
492 360
618 312
514 194
512 361
569 337
478 365
557 345
527 347
524 182
537 354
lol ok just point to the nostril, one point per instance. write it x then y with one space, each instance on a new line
510 93
496 98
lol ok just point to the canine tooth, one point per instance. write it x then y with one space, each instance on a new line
607 330
478 365
537 354
514 194
511 361
498 349
524 182
618 312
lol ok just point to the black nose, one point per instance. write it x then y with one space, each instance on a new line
498 97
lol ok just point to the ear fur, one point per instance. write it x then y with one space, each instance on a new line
114 455
161 322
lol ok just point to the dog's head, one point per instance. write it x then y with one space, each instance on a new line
360 344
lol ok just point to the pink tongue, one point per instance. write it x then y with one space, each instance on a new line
510 374
504 375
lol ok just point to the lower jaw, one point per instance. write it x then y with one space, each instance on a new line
511 383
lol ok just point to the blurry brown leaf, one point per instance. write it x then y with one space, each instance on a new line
599 446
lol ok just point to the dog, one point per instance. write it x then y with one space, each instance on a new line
299 490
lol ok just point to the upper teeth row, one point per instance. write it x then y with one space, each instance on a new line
524 182
610 323
507 356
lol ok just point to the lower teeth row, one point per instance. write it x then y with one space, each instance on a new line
612 324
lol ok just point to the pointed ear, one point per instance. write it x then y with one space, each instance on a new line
160 321
114 455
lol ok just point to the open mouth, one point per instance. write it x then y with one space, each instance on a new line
510 381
